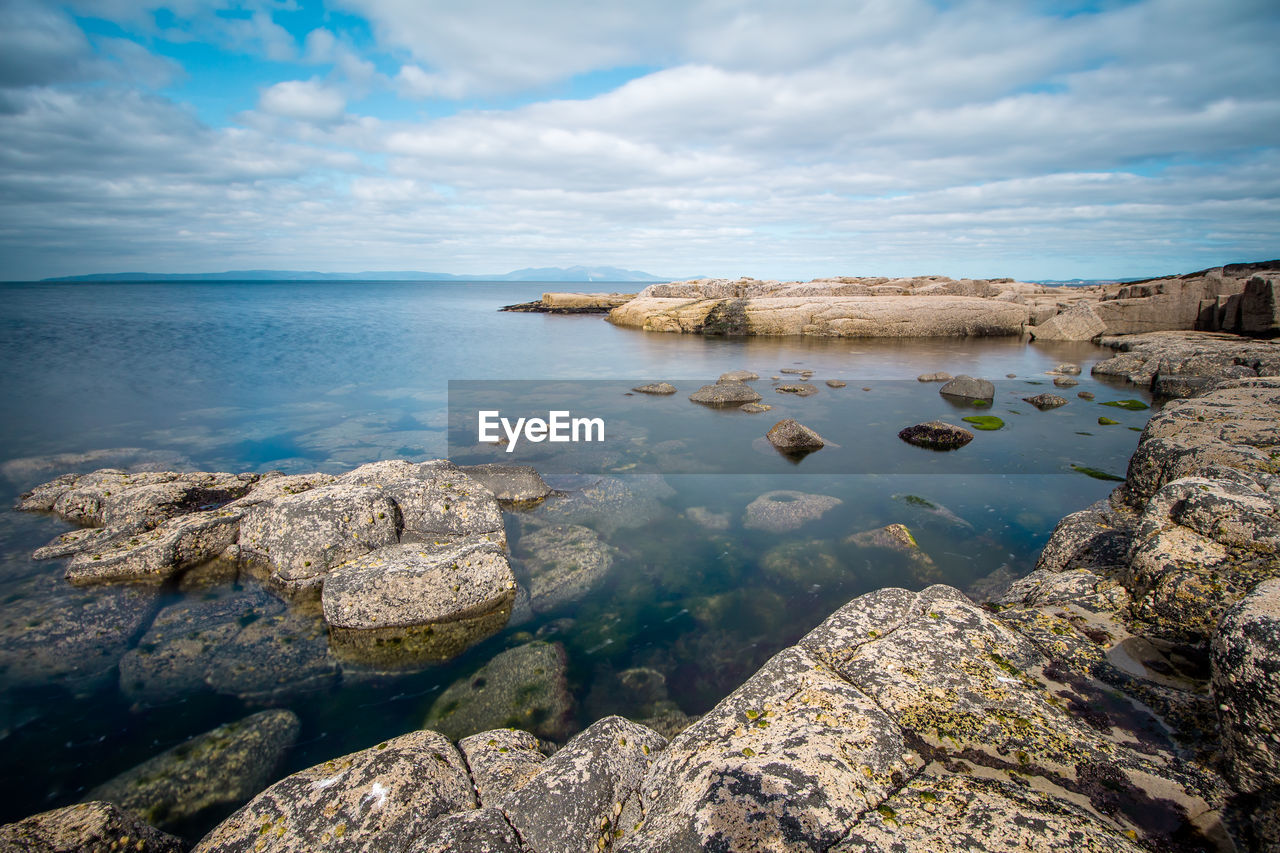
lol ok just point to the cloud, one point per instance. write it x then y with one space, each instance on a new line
304 100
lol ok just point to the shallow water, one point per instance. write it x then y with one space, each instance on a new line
326 376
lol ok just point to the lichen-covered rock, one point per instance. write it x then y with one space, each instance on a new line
725 394
521 688
1246 685
155 556
1044 402
514 484
784 509
791 436
382 797
965 387
128 502
223 767
479 831
1095 538
300 538
86 828
936 435
588 792
1140 358
501 761
795 753
418 584
564 562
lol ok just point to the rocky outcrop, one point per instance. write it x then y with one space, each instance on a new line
1178 364
572 303
220 768
90 827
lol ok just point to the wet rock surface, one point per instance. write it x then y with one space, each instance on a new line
511 484
725 394
782 510
936 435
1045 402
91 827
564 562
223 767
791 436
521 688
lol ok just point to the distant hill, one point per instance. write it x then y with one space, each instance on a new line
575 274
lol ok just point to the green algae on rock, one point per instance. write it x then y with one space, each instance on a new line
1131 405
1106 421
984 422
1096 473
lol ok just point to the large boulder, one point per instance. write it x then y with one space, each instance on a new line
1077 323
501 761
587 794
965 387
1259 307
220 768
513 484
385 796
482 830
524 688
91 827
791 436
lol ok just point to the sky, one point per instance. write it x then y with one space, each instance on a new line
982 138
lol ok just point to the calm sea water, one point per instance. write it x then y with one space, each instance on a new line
305 376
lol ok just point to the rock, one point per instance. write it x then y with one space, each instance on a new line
790 436
967 388
802 389
564 561
824 315
1259 307
88 827
584 796
795 753
1085 395
55 634
659 388
480 831
220 768
514 484
707 519
897 538
933 512
608 504
936 435
131 502
274 659
754 408
1044 402
725 394
1246 686
836 383
804 563
158 555
738 376
1065 382
572 303
300 538
1186 354
521 688
437 500
501 761
783 510
417 584
1077 323
387 795
1066 368
934 377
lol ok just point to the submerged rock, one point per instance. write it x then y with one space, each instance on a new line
783 509
608 504
564 561
86 827
897 538
1044 402
513 484
520 688
725 394
801 389
936 435
804 563
223 767
754 408
791 436
390 792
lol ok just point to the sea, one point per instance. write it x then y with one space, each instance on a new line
297 377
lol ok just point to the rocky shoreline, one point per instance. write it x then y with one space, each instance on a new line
1124 696
1238 298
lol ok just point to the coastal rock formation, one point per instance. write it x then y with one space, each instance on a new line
86 827
660 389
392 791
223 767
572 303
1194 358
501 761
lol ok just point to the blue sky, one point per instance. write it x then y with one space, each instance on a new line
823 137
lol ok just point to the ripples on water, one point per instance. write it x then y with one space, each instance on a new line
326 376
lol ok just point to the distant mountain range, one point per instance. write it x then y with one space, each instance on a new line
577 273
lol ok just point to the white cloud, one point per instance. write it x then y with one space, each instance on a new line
304 100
